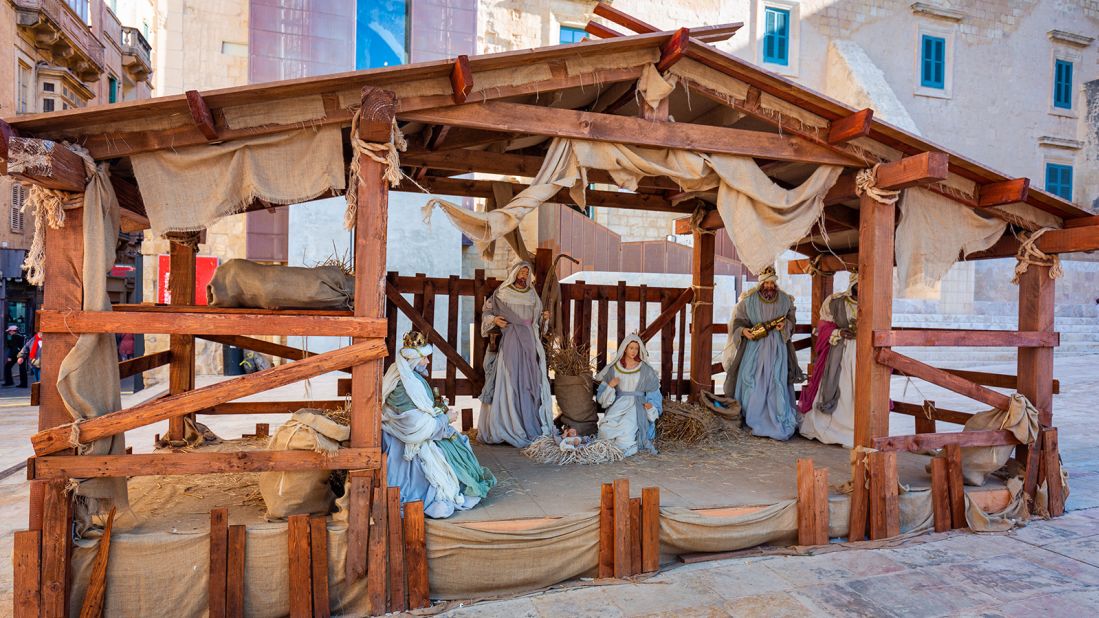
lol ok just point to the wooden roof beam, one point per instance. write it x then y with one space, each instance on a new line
673 50
6 133
552 122
484 188
597 29
201 116
706 34
461 79
45 163
1000 193
378 108
851 127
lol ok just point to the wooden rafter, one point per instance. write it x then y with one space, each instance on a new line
851 127
598 30
536 120
706 34
201 116
58 438
461 79
484 188
1000 193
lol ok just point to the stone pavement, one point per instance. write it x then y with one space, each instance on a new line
1048 568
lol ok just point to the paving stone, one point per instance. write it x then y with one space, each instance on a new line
512 608
1062 605
771 605
838 600
1070 526
662 595
591 601
959 548
834 566
1081 572
918 593
1084 550
1008 577
740 580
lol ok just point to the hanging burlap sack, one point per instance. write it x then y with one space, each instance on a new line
243 283
306 492
1020 418
574 398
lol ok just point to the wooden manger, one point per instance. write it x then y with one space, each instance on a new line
468 126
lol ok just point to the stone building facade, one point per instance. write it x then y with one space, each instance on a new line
57 55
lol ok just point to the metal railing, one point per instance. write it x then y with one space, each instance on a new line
134 43
69 23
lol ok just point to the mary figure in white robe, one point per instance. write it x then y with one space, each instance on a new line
629 390
426 458
516 406
830 418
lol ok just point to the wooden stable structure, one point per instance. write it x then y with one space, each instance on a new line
494 114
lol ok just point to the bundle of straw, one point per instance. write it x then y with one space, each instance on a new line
686 423
569 359
546 450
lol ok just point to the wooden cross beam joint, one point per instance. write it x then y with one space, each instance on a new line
461 79
201 116
377 110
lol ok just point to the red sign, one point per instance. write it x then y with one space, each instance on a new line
205 265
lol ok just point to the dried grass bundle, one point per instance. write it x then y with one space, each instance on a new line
686 423
546 450
569 359
343 260
341 415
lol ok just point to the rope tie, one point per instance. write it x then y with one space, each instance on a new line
929 410
866 183
74 438
695 221
1030 255
386 154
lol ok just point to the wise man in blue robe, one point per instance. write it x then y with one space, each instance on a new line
760 362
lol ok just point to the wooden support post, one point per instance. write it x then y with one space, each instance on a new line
643 310
820 479
1051 464
479 293
377 571
940 494
390 321
606 531
667 342
318 553
702 307
234 572
823 285
26 573
955 485
812 503
601 332
219 554
301 567
181 367
885 515
925 423
56 549
621 528
860 500
64 292
620 307
398 598
467 419
650 529
452 336
875 313
635 536
416 555
1035 366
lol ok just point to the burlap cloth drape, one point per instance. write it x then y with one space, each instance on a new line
187 189
88 377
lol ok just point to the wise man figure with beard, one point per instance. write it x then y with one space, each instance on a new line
515 402
760 362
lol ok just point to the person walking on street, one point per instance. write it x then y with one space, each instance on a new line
31 355
13 343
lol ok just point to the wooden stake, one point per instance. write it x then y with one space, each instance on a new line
219 547
56 549
96 593
467 419
181 367
301 567
361 487
398 599
26 573
1051 457
820 489
807 513
377 571
234 572
650 529
955 484
884 506
635 536
416 555
318 553
621 528
606 531
860 501
940 494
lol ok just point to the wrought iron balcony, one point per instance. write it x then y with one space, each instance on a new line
62 35
136 54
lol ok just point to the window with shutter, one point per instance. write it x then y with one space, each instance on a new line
932 62
776 36
1062 84
1059 180
18 196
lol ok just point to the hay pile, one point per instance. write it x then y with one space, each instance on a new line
569 359
546 450
684 423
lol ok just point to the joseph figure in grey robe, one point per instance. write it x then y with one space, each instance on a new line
516 406
760 361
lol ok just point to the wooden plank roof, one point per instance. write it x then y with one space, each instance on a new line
121 126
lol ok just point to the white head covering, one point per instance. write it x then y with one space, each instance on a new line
514 271
642 354
768 274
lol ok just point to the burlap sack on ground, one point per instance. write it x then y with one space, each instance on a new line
574 397
307 492
1020 418
243 283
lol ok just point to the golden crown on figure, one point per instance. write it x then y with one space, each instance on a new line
414 339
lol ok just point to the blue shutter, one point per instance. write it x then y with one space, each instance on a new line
1059 180
1062 84
776 36
572 35
932 62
